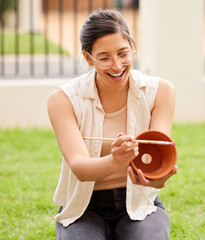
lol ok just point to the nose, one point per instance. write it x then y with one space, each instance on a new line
116 64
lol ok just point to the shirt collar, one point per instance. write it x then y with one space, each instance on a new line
88 86
136 83
90 89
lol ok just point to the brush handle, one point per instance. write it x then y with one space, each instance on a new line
137 140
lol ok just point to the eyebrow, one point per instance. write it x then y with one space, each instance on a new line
124 48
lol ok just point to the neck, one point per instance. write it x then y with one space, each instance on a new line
113 99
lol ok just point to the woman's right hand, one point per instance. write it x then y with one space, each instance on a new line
124 150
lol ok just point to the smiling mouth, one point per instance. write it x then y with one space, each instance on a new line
117 75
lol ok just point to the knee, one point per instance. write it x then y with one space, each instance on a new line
155 226
158 227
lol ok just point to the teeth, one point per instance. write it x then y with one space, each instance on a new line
116 75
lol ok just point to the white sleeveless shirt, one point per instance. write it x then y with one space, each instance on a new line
75 195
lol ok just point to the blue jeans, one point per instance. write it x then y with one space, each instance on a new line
106 218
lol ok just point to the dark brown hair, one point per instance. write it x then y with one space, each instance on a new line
101 23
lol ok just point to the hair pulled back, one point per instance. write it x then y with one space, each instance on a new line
101 23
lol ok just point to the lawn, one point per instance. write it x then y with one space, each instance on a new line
24 39
30 166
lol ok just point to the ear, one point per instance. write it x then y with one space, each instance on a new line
133 48
88 58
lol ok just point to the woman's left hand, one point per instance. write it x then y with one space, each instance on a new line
138 178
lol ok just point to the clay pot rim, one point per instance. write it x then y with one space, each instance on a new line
156 132
173 147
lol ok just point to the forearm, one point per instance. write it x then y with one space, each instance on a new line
93 169
124 150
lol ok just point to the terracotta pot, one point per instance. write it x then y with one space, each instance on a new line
155 161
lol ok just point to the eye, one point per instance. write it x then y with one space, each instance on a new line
124 54
103 59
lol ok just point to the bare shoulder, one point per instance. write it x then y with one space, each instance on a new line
166 92
57 99
56 96
59 108
166 86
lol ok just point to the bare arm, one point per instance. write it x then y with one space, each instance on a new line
164 107
73 148
161 120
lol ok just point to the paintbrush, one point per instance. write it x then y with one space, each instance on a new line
137 140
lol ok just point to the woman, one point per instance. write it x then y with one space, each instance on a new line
99 195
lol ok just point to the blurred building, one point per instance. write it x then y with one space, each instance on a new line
171 45
81 4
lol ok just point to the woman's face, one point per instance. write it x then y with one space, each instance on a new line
112 45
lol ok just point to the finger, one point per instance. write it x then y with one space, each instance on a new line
120 134
125 160
125 147
132 153
132 175
141 177
132 149
127 153
174 171
119 149
122 139
132 144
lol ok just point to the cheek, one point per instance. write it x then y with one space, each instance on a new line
128 70
100 71
100 74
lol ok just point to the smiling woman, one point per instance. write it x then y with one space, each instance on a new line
112 56
97 188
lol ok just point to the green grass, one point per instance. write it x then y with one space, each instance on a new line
30 166
24 44
184 194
